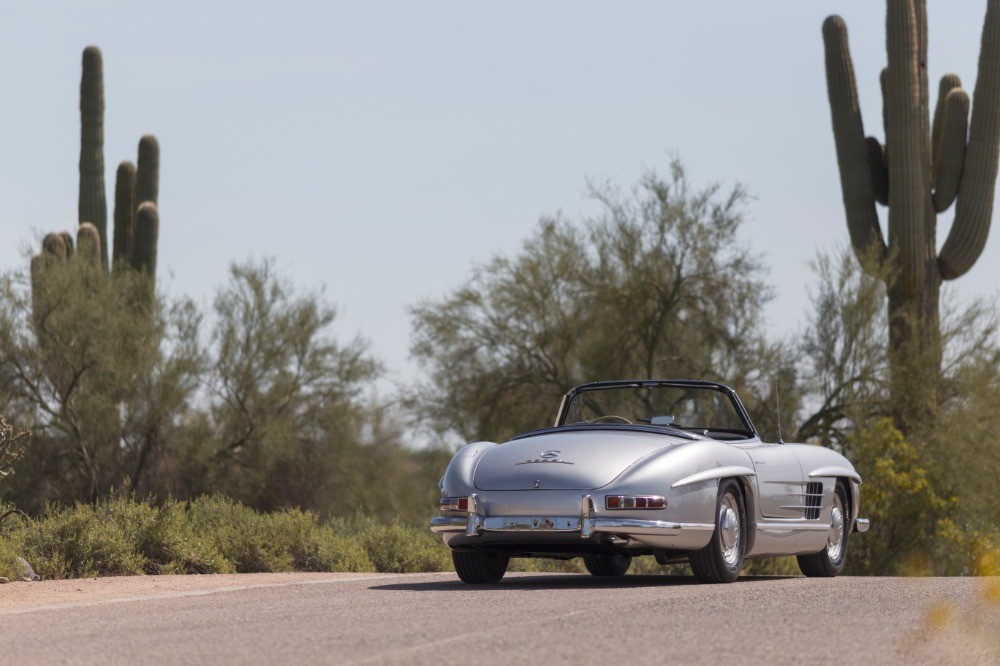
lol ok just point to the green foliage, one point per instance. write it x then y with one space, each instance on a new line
843 350
657 285
289 421
398 548
80 543
914 521
120 536
291 540
274 413
94 376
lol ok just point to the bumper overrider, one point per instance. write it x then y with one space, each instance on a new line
476 523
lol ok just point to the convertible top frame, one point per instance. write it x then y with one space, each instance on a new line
680 383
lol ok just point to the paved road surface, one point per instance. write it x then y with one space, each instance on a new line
529 618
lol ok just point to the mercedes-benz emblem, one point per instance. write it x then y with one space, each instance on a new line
548 455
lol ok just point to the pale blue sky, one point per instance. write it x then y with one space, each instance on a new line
384 148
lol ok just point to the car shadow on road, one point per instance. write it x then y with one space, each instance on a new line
562 582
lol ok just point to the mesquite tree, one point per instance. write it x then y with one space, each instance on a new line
922 168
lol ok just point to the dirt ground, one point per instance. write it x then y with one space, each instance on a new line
23 596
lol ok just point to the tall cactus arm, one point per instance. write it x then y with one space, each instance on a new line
908 192
948 169
879 169
849 135
974 209
92 205
56 245
948 83
883 78
920 13
67 242
147 230
148 178
88 244
124 214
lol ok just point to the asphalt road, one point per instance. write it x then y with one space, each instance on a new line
529 618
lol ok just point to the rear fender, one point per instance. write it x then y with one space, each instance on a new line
457 480
691 473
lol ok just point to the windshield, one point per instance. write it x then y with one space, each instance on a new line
695 408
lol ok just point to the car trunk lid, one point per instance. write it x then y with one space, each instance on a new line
564 461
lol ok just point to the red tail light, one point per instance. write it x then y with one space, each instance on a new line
635 502
454 503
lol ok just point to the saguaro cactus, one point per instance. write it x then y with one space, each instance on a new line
125 209
148 182
88 244
136 217
133 186
922 168
93 207
147 234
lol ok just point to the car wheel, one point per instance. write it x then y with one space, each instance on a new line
480 566
830 561
720 561
607 565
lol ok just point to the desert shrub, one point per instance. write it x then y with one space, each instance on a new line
11 543
913 522
396 547
163 537
315 547
79 542
240 535
290 540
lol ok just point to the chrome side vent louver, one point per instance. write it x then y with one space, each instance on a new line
814 499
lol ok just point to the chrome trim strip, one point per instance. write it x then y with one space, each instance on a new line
835 471
631 526
862 525
804 526
587 527
715 473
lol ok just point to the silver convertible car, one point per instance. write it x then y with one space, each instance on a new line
672 469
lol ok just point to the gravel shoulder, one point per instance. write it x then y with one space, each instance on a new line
20 597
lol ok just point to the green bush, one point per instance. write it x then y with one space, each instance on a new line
913 521
80 542
398 548
120 536
238 533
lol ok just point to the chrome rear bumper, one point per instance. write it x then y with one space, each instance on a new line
861 525
586 524
454 524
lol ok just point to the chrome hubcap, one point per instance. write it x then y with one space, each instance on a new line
729 529
835 541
